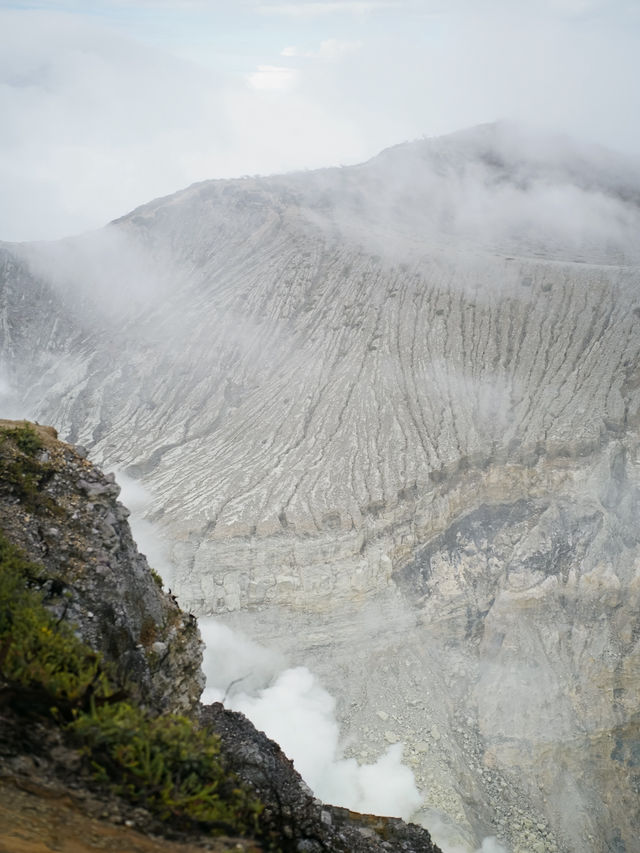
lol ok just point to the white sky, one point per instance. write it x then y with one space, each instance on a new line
108 104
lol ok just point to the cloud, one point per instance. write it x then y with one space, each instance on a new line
505 187
576 8
95 122
317 9
328 49
272 77
86 120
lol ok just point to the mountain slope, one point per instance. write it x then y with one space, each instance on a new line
393 407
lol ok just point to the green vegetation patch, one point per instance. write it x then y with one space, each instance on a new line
168 764
24 437
157 579
21 471
41 660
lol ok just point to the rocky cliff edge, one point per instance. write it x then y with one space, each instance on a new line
63 515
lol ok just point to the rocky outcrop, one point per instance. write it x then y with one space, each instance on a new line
292 810
70 522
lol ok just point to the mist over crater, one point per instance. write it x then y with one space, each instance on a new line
388 419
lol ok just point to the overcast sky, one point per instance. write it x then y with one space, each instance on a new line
106 105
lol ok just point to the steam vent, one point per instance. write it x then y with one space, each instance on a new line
387 417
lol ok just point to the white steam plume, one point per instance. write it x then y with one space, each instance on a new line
451 837
293 708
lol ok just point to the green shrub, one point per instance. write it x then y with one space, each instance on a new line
20 469
166 763
24 437
36 652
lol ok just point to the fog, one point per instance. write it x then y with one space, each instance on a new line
503 187
104 110
11 406
103 273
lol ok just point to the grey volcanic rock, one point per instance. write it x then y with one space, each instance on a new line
292 811
78 532
394 408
